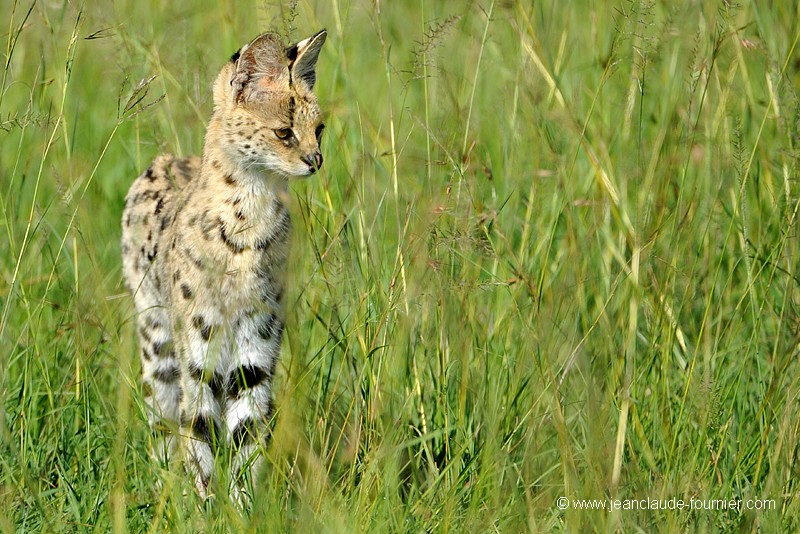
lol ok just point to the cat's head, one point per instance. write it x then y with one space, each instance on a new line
267 115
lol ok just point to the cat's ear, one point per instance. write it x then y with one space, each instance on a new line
259 67
303 59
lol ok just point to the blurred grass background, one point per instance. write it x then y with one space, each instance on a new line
553 251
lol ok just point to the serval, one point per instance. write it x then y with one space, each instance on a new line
204 251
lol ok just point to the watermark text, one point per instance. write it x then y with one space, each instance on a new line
689 505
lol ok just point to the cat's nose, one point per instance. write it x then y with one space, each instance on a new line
313 160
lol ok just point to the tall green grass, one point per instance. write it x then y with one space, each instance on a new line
553 251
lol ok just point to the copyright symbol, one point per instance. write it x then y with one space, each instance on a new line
562 503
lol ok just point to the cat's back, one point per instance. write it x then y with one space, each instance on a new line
150 207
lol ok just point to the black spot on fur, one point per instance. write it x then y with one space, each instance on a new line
168 375
176 275
197 261
195 371
203 326
206 225
183 166
163 350
214 380
203 427
144 333
236 249
164 223
186 291
149 174
235 56
229 179
217 384
159 206
246 377
267 326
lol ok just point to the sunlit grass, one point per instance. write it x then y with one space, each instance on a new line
553 251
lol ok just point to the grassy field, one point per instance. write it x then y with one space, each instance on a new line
553 252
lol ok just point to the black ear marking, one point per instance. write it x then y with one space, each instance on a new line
235 56
303 59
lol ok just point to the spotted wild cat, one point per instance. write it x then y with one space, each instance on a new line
204 251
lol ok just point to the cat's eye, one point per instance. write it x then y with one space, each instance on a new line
283 133
318 131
